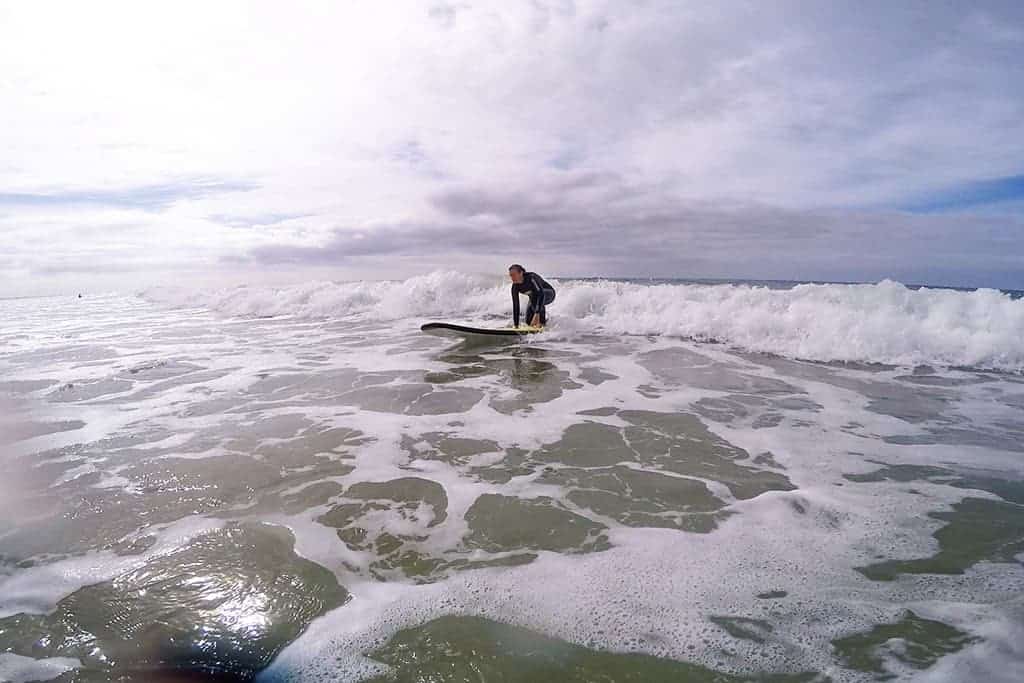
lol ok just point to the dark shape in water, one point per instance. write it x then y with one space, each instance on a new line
502 523
30 430
397 553
978 530
453 649
683 367
772 595
744 628
685 446
921 643
641 498
218 609
1008 489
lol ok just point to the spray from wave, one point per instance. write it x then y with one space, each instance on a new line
878 323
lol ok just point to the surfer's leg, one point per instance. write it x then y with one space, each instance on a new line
529 314
549 296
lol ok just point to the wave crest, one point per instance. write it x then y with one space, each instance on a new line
880 323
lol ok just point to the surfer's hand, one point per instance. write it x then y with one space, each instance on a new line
536 321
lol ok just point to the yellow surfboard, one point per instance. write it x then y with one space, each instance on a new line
452 330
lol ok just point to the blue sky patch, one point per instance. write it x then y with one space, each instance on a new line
972 195
145 197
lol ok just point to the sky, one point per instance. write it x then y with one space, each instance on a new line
208 143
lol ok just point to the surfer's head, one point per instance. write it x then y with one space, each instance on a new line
516 273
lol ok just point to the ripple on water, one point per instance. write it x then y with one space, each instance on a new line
223 605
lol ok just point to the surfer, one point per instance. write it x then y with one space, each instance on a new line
537 289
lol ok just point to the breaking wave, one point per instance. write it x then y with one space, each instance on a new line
877 323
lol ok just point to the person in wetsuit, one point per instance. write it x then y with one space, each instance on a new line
534 286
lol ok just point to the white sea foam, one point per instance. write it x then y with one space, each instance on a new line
655 589
18 669
437 293
881 323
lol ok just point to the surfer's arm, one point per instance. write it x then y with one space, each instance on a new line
515 306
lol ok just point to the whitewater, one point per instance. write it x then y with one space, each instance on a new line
885 323
675 481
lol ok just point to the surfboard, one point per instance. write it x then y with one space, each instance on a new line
465 331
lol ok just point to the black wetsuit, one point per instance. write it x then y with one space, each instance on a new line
541 294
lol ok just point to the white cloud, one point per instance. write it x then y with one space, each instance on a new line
353 116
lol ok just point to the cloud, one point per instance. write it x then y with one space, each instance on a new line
734 139
581 224
445 13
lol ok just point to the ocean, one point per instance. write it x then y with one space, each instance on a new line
676 481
